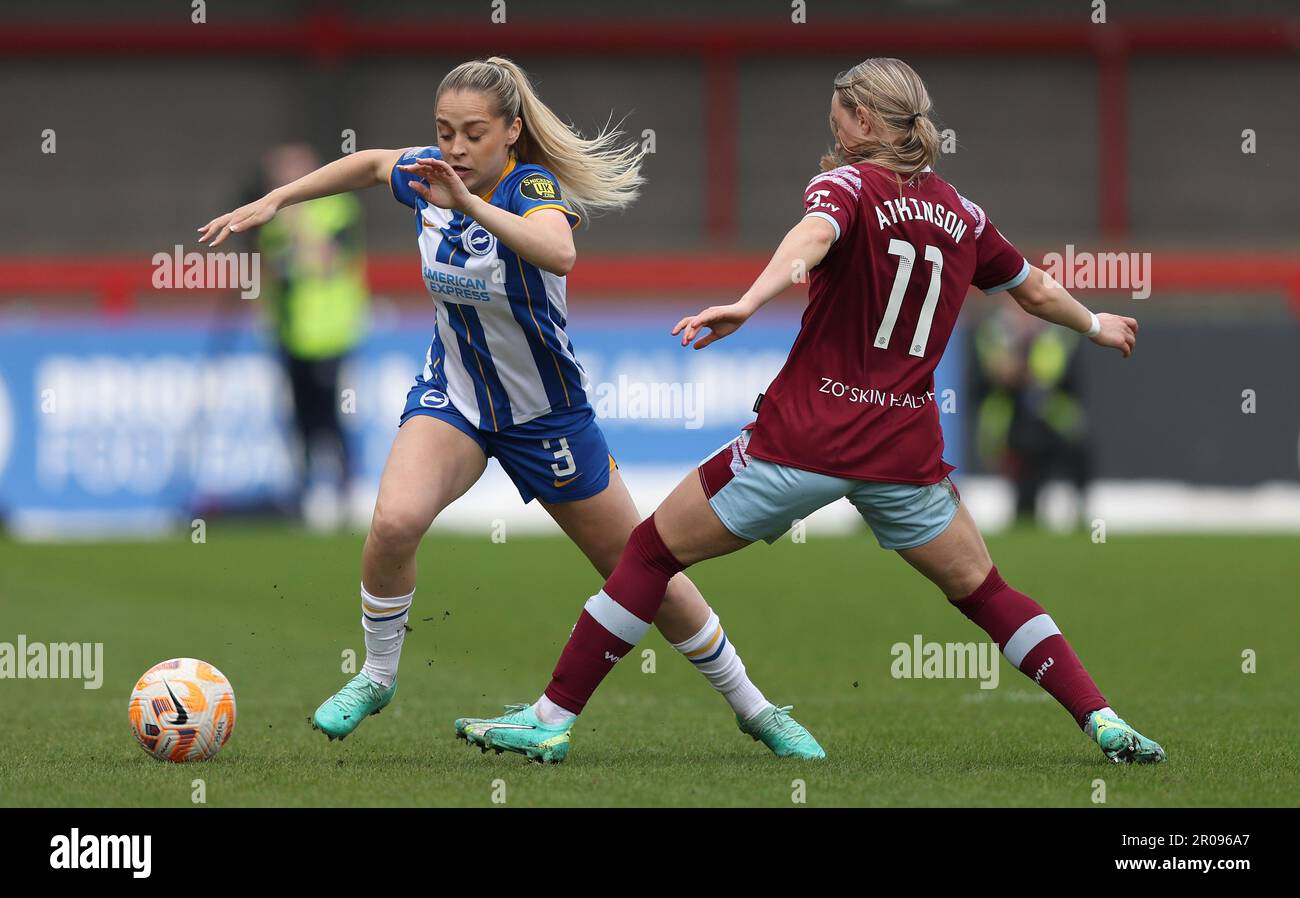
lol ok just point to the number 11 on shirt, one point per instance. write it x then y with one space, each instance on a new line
906 259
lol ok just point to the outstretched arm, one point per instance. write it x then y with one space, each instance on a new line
1043 298
804 246
365 168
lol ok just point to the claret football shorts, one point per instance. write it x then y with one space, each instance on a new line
757 499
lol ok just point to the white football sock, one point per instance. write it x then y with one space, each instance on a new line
551 714
384 621
715 657
1089 729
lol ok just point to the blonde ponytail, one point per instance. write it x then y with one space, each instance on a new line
903 138
594 173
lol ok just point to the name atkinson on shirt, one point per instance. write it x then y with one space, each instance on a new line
894 212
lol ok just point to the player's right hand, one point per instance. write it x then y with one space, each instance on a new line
720 320
1117 332
255 213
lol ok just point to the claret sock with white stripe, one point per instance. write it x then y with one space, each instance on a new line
615 619
1032 642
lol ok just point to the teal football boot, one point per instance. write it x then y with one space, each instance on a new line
471 729
1121 743
780 732
343 711
518 730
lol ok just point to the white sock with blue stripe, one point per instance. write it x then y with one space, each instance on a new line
714 656
384 621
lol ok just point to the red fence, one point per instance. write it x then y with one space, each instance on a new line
115 283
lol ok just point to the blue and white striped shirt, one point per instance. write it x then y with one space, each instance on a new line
499 348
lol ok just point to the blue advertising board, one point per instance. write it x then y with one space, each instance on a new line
145 419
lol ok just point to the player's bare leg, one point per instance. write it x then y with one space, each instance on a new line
600 526
430 465
958 562
607 629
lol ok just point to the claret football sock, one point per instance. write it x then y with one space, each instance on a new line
714 656
614 619
1031 641
384 621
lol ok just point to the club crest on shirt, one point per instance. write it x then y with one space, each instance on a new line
539 187
479 240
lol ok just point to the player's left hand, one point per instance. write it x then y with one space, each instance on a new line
1117 332
244 218
441 187
720 320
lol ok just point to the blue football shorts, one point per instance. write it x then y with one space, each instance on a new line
559 457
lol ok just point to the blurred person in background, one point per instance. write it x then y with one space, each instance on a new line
1030 424
316 300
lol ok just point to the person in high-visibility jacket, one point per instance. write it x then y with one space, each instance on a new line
1031 424
316 299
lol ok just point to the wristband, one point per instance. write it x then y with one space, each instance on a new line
1095 329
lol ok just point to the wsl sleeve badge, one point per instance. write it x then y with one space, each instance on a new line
539 187
182 710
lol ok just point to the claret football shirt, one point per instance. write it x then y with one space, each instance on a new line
856 397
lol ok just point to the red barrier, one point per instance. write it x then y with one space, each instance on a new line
115 282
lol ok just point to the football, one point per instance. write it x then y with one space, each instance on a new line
182 710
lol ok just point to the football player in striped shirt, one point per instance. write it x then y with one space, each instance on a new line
494 203
891 249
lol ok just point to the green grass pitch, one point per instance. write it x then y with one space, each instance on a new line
1161 622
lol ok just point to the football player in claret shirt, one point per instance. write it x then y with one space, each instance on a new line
891 249
494 204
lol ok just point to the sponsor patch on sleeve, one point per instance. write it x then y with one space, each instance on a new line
539 187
